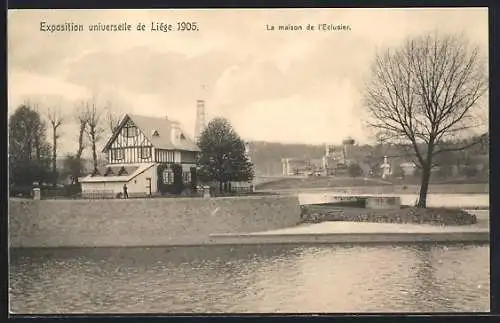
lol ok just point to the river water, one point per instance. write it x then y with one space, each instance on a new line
262 279
242 279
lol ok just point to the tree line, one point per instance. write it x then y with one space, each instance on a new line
34 137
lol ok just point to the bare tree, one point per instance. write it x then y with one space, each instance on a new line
112 117
55 119
423 93
39 132
82 117
94 128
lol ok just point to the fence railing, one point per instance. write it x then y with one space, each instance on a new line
61 194
215 191
50 193
98 194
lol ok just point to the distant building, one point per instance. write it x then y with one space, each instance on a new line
337 161
295 166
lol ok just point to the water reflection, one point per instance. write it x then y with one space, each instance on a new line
251 279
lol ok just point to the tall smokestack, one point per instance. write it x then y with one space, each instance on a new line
247 151
200 118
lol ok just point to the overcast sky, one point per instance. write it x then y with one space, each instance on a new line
272 85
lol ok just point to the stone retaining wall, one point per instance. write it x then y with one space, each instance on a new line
144 222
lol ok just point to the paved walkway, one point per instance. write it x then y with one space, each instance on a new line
363 227
363 232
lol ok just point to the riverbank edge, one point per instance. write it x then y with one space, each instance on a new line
479 237
472 237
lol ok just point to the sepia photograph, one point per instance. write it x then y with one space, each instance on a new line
248 161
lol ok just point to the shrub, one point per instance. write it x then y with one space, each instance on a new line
355 170
20 191
178 185
194 178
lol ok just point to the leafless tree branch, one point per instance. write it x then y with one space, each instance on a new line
93 129
55 117
422 93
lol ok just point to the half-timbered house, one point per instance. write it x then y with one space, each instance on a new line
140 153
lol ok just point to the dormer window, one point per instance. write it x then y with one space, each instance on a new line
182 137
122 171
131 131
109 172
155 133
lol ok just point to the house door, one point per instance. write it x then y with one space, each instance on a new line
165 176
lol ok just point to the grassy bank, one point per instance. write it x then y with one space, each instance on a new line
319 182
368 186
435 216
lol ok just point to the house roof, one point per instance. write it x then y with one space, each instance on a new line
132 171
164 128
117 170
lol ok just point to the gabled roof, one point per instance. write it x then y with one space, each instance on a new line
148 126
135 170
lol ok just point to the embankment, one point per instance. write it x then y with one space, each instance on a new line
437 216
144 222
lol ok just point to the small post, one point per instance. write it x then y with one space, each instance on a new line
36 193
206 191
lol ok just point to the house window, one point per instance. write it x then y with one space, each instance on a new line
168 176
145 152
131 131
117 154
